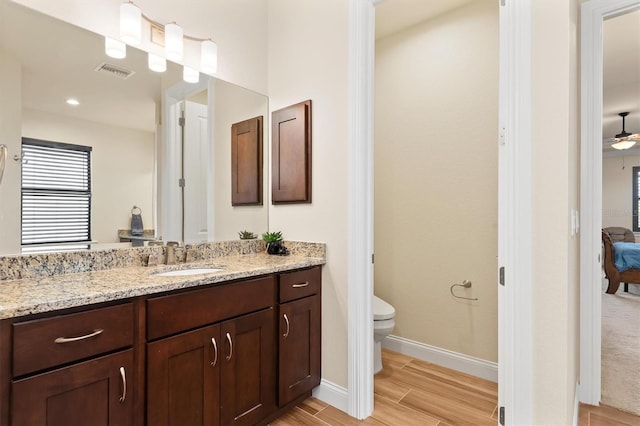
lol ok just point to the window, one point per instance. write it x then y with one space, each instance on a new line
56 193
636 200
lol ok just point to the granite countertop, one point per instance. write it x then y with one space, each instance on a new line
37 295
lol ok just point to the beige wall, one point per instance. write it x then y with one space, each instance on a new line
122 163
10 117
617 189
436 171
239 28
555 192
231 106
308 59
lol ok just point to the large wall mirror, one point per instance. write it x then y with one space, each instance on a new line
129 115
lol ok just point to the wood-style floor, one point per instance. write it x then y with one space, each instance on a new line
413 392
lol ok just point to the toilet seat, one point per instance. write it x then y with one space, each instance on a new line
382 310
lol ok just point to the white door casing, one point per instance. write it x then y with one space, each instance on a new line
515 351
169 156
593 14
196 165
515 221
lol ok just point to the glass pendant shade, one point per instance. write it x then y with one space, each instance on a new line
209 57
157 63
190 75
173 43
130 24
114 48
623 144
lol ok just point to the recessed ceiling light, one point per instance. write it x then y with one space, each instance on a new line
72 101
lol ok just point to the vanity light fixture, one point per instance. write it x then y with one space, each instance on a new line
209 57
114 48
131 18
72 101
190 75
173 42
157 63
130 23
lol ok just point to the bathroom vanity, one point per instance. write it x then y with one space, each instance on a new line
239 346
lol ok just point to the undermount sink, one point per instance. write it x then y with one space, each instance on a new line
186 272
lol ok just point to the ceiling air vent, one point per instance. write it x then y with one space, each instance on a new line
114 70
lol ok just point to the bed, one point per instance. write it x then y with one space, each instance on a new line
621 262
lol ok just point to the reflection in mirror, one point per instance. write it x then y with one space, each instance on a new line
129 116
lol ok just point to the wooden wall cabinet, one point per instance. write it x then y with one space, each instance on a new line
246 162
291 154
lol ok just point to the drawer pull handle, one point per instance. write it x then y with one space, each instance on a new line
123 376
304 284
286 320
230 347
215 352
75 339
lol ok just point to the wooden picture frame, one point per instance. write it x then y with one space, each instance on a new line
291 154
246 162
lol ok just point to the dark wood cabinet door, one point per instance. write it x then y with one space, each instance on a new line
248 368
299 351
291 154
246 162
95 392
183 379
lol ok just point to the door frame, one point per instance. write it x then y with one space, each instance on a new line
593 14
515 219
167 156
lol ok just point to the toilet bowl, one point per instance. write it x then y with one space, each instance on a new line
383 323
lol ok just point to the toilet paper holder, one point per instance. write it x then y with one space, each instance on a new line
465 284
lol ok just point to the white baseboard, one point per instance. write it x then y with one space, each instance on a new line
332 394
446 358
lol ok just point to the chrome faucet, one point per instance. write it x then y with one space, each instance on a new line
171 252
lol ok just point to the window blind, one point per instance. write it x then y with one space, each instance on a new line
56 192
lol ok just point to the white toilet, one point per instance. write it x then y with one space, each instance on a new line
383 323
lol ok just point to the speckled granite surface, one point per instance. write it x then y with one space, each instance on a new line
45 284
50 264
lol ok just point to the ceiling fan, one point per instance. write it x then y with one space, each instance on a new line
624 139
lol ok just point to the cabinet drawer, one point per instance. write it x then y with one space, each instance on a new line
171 314
294 285
48 342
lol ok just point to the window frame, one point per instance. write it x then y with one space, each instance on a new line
86 179
635 200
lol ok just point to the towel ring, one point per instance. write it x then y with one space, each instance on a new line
465 284
133 210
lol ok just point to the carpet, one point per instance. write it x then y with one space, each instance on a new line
621 350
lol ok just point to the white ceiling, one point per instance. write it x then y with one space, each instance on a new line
621 85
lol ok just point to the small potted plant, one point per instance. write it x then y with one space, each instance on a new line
247 235
274 242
